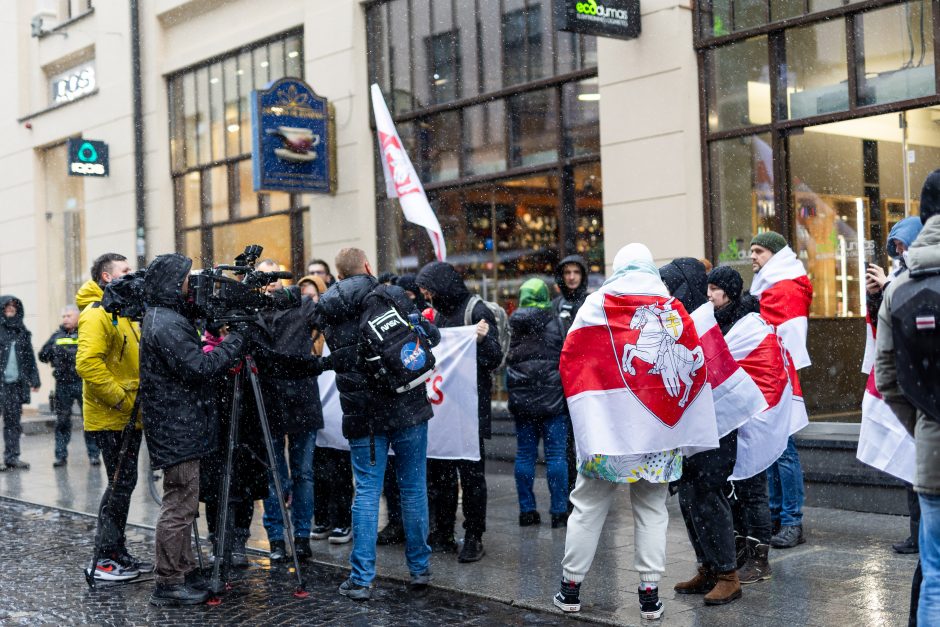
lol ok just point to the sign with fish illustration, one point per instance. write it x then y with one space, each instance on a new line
293 145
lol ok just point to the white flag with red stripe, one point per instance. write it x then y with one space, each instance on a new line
401 180
785 294
735 394
763 438
883 442
634 373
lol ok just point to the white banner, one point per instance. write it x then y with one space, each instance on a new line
454 432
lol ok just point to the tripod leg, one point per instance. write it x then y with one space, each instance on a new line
269 445
221 530
198 545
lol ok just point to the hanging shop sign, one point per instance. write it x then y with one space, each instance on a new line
293 141
605 18
87 157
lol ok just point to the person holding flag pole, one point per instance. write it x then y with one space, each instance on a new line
635 379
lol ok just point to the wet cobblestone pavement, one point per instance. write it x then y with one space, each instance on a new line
41 583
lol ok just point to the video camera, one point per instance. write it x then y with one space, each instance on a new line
219 298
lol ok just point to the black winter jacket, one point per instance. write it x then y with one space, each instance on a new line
15 335
178 409
450 299
567 304
367 409
532 374
59 352
292 396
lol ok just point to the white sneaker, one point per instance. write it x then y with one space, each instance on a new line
109 570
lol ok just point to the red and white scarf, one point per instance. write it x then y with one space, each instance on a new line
785 295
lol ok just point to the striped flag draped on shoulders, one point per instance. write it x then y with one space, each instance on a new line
785 295
760 352
634 372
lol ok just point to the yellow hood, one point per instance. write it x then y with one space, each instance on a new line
88 293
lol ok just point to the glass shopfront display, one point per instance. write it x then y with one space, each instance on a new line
830 147
500 116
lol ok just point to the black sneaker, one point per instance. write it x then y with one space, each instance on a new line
340 535
278 551
354 591
129 561
420 581
59 463
788 537
472 550
908 547
168 595
302 546
527 519
568 597
393 533
320 532
559 520
15 464
651 607
442 544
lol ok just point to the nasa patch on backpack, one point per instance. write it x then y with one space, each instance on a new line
925 323
413 356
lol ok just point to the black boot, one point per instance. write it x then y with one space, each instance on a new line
302 546
278 551
472 550
239 553
527 519
165 595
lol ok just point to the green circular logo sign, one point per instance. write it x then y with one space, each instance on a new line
87 153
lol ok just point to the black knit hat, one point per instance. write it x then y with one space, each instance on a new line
728 279
930 197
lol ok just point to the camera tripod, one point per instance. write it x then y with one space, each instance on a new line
223 556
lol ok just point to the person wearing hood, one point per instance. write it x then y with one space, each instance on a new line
571 277
537 401
923 258
685 278
178 417
443 286
59 352
20 375
749 502
375 419
107 362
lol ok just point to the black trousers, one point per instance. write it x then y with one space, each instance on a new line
705 507
333 487
113 518
913 506
915 595
12 410
571 457
66 394
751 507
443 478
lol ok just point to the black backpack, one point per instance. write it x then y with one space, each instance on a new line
395 349
915 325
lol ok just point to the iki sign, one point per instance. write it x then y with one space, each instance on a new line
87 157
604 18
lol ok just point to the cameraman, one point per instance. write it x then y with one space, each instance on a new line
373 420
173 372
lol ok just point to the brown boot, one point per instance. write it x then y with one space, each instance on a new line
699 584
726 590
756 568
740 549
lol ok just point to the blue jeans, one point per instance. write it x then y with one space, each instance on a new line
785 487
554 434
928 608
298 483
411 450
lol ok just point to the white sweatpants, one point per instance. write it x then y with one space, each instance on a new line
591 500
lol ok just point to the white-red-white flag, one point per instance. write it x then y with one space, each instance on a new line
785 294
401 179
634 373
763 438
883 442
736 396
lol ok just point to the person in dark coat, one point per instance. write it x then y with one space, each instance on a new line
59 352
375 419
295 413
20 375
702 500
443 286
686 280
537 401
178 417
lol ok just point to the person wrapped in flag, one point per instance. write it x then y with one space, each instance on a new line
639 402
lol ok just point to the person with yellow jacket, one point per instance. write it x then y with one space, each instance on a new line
107 362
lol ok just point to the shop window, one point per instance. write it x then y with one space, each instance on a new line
522 45
244 199
217 199
589 216
742 195
582 118
739 93
817 70
192 245
443 52
190 197
898 59
533 128
231 122
230 240
439 144
485 138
